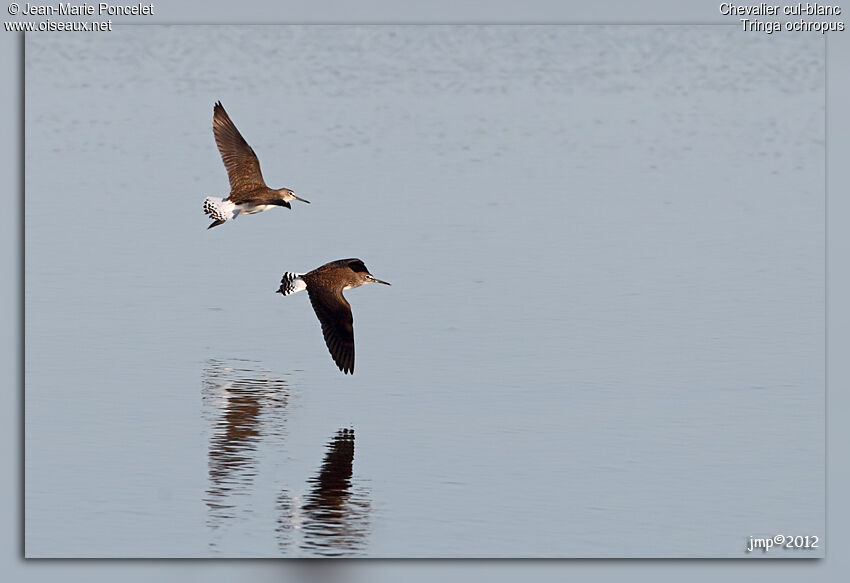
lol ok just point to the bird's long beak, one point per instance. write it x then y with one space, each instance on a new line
379 281
301 199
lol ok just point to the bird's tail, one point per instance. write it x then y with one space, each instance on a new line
220 211
291 283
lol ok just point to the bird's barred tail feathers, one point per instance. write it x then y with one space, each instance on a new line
291 283
219 210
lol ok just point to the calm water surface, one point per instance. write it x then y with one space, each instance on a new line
605 334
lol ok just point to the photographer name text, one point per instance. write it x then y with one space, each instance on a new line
99 9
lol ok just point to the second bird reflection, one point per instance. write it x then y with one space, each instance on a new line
333 517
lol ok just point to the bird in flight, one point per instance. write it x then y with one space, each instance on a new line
248 191
325 285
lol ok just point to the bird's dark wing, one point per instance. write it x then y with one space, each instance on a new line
243 167
334 313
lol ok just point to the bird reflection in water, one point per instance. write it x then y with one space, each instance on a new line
245 404
333 517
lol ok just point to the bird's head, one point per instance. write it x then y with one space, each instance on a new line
285 195
362 275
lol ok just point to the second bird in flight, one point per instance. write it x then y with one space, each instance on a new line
325 285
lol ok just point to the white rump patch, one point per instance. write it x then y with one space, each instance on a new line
219 210
291 283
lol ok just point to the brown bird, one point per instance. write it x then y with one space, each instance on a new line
325 285
248 191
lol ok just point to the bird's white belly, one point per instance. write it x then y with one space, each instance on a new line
250 209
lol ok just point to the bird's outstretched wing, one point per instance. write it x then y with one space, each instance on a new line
334 314
243 167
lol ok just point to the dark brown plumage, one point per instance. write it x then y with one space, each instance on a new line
243 166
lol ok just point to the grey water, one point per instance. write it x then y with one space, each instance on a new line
604 337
